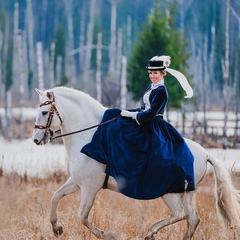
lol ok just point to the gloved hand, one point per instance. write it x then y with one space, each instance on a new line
126 113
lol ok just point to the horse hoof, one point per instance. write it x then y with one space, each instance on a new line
110 235
58 230
149 237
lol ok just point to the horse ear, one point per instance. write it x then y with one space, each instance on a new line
39 92
49 95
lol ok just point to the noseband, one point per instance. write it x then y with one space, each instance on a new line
51 114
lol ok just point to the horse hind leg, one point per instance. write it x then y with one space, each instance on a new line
67 188
177 213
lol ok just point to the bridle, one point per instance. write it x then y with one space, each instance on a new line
50 117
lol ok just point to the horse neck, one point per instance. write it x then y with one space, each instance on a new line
78 113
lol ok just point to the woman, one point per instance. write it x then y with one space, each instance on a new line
145 154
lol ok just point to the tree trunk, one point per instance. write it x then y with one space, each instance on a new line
8 112
112 47
1 69
123 104
129 35
51 66
40 66
205 80
98 72
21 84
226 70
118 57
81 45
15 51
71 70
6 122
30 33
90 29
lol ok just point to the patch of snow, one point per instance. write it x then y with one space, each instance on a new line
25 158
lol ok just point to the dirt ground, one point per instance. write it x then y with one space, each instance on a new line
25 207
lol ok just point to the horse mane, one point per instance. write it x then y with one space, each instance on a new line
74 94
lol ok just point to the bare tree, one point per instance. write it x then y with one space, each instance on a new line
129 34
205 82
82 42
70 69
123 103
1 69
118 56
98 72
30 41
15 49
44 20
51 65
22 81
112 47
88 55
4 46
40 65
236 79
226 70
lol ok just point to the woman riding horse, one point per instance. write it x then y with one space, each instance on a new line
145 154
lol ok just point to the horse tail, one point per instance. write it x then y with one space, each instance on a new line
227 196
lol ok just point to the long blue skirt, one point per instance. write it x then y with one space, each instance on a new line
147 160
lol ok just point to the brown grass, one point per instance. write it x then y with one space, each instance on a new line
25 206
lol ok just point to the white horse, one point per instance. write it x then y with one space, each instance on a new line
70 110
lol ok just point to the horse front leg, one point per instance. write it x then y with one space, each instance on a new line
87 199
67 188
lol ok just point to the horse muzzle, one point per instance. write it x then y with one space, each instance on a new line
41 139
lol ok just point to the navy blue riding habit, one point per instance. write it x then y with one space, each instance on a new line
147 158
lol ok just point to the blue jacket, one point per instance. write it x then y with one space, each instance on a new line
158 100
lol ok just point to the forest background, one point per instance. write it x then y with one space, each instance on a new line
92 46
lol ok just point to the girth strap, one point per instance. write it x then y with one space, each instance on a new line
105 181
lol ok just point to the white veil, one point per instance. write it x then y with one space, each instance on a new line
182 80
178 75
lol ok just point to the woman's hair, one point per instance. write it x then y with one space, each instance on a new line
164 72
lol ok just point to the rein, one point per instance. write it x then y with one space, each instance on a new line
50 117
85 129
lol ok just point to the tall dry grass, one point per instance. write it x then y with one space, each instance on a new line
25 207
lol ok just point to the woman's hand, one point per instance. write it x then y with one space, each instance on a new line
126 113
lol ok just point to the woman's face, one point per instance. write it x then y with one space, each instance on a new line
155 76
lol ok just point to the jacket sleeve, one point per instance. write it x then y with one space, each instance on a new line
158 102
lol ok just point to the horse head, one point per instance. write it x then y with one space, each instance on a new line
48 119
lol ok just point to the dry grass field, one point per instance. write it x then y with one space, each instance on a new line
25 206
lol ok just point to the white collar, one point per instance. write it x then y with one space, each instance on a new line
156 85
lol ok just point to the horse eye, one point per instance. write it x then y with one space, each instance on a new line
44 113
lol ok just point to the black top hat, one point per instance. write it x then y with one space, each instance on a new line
155 65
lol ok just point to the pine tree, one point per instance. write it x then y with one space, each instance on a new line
60 50
159 37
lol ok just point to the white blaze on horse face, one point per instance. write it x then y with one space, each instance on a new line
41 136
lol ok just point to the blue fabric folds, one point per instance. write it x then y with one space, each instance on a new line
147 160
